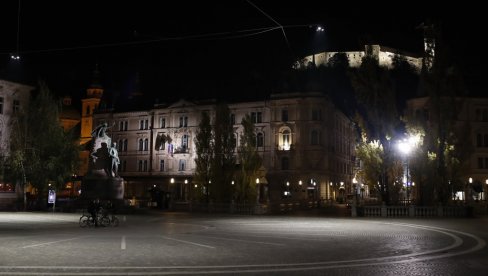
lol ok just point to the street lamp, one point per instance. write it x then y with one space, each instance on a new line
406 146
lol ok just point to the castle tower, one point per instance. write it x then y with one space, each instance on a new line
429 45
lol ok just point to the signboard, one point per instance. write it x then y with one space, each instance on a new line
51 197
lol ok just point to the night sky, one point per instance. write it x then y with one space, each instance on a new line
171 46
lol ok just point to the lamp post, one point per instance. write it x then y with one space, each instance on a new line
405 146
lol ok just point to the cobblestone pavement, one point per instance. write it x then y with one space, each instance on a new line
180 243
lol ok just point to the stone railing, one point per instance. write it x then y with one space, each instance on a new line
411 211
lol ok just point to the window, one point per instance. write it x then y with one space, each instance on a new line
141 145
139 166
162 122
285 163
315 137
232 119
124 166
16 106
284 115
161 165
256 117
286 140
144 124
146 144
184 142
1 105
145 165
260 140
87 110
182 165
316 114
183 121
479 140
485 140
123 125
484 115
125 145
482 162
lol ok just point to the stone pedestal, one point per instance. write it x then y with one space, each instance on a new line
110 188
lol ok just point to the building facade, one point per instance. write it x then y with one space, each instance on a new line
306 144
384 55
14 97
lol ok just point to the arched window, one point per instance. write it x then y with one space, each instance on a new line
286 140
146 144
141 145
125 145
260 139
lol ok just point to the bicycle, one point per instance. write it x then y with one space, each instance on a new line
87 220
108 218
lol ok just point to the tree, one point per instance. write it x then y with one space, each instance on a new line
40 149
446 145
224 148
250 162
378 112
205 149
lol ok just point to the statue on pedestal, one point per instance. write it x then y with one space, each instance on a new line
103 180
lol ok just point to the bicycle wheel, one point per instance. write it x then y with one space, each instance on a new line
104 221
84 221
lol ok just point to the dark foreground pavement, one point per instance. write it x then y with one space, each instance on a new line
179 243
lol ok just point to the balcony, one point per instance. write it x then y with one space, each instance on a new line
181 150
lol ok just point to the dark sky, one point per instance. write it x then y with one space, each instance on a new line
170 45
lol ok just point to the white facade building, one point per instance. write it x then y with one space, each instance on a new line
307 146
14 97
384 55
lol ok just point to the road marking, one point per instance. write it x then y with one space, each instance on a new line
46 243
122 243
239 240
193 243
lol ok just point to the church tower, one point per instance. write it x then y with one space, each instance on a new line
89 104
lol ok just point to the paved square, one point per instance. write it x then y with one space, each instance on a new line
180 243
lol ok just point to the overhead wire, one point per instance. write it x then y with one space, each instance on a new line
207 36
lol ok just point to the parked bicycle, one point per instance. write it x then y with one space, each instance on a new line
103 217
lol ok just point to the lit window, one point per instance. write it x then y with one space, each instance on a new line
286 140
